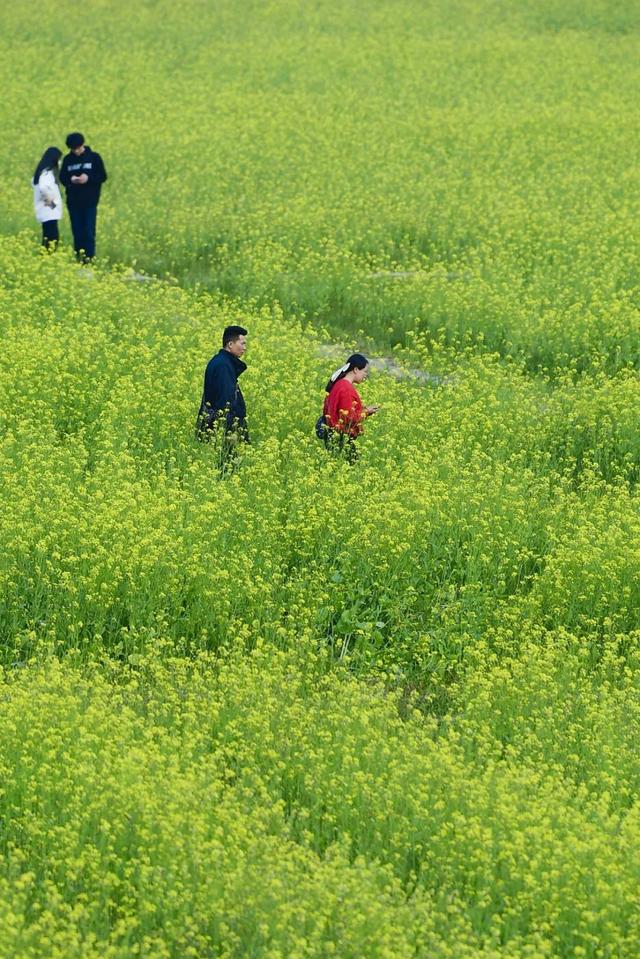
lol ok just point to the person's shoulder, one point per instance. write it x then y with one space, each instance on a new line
218 359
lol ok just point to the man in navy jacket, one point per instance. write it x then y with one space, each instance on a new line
222 400
82 174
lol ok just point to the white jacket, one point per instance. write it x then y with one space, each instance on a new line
47 191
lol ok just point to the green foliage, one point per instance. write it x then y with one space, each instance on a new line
469 503
298 708
308 152
246 807
479 560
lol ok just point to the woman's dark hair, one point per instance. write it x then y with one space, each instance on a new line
355 362
231 334
49 161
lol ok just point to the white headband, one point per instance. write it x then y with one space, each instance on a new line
343 369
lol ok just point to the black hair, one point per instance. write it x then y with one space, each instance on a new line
74 140
49 161
355 362
232 333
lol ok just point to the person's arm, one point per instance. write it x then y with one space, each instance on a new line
97 174
345 409
65 179
350 420
219 389
45 186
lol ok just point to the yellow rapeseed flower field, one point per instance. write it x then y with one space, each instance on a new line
300 708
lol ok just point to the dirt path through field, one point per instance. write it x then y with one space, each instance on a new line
335 351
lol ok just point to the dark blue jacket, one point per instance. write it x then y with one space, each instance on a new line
221 395
83 194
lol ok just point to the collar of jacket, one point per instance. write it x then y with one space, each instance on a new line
238 366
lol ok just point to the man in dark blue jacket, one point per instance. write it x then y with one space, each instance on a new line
82 174
222 401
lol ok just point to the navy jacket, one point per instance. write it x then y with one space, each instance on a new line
221 395
82 195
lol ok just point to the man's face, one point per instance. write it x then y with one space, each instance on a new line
237 347
78 150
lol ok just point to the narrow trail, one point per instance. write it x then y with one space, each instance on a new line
335 351
384 364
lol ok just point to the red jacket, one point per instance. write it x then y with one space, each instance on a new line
343 409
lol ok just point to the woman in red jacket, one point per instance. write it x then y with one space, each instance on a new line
343 413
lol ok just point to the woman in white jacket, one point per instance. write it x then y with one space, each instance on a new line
47 199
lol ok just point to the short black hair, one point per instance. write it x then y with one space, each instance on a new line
232 333
74 140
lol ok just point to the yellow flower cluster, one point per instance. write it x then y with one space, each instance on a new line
391 168
473 501
299 708
480 559
242 807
